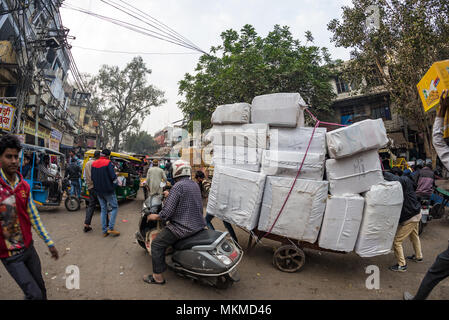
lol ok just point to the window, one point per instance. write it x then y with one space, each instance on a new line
342 86
347 115
381 112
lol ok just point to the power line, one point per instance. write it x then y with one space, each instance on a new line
133 27
136 52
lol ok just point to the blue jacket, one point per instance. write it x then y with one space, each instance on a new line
103 176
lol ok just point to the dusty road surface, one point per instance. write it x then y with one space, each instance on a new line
112 268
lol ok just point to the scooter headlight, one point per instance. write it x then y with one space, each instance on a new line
224 259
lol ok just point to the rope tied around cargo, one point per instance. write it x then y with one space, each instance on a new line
318 122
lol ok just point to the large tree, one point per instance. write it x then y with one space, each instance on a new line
140 142
247 65
125 98
410 36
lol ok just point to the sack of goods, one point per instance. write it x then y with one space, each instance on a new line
383 205
278 109
354 174
302 215
237 113
297 139
235 196
341 222
287 163
246 135
238 157
358 137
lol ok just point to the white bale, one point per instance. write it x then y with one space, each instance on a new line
235 196
278 109
297 139
355 174
237 113
237 157
341 222
302 215
287 163
358 137
245 135
383 205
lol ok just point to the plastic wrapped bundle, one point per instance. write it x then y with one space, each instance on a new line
278 109
302 215
358 137
286 163
355 174
341 222
238 157
246 135
297 139
383 205
237 113
235 196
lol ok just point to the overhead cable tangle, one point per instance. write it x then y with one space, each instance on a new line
161 24
132 27
133 14
134 52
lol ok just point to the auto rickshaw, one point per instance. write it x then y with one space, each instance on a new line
128 177
40 189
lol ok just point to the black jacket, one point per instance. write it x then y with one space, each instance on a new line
411 206
73 171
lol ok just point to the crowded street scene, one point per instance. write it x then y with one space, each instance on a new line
196 150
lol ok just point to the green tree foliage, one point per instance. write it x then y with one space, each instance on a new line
247 65
140 143
412 35
123 98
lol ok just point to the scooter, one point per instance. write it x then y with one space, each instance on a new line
425 216
210 257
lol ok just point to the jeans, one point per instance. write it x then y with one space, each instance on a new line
76 188
227 225
163 240
437 272
93 201
105 201
26 270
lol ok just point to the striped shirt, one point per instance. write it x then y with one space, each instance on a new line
32 211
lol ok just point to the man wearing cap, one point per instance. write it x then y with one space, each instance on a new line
92 195
105 180
155 176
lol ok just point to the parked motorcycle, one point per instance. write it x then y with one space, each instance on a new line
425 214
210 257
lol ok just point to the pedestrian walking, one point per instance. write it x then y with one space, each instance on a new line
105 180
93 200
408 221
440 268
155 176
17 214
73 173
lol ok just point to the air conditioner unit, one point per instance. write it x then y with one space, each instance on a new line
41 111
32 100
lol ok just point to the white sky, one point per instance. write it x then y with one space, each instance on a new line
202 22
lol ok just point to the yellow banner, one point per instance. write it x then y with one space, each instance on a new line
30 128
6 116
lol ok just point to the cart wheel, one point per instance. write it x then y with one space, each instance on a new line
288 258
72 203
437 211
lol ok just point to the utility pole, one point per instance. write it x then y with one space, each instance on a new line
38 106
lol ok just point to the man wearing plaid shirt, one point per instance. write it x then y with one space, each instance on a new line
184 211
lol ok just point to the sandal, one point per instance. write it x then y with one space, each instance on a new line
149 279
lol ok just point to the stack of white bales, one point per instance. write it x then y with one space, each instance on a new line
302 215
366 223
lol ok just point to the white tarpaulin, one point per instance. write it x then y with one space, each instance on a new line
341 222
302 215
246 135
238 157
235 196
278 109
358 137
383 205
355 174
287 163
297 139
237 113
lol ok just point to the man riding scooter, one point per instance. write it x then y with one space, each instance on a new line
184 210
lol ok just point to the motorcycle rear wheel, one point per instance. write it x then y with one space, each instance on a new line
224 282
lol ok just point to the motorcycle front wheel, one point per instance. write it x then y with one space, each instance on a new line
224 282
72 203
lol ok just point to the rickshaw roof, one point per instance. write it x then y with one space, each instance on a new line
90 153
41 149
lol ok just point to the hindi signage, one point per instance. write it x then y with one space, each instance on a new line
6 116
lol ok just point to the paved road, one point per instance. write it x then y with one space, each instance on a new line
112 268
